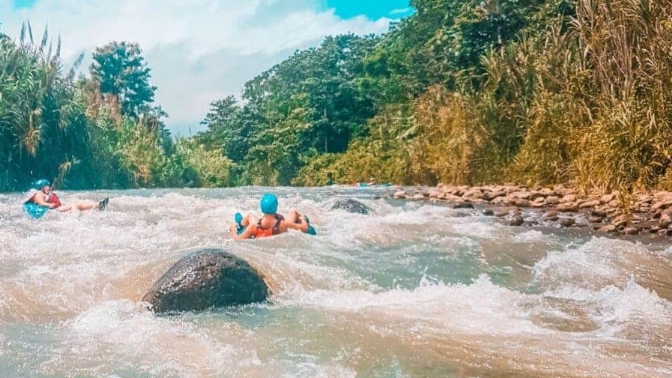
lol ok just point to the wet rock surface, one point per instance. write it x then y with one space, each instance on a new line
351 206
207 278
646 213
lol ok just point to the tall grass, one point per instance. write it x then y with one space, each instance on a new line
42 124
54 127
587 103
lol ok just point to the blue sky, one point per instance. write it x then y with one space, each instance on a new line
23 3
199 51
344 8
372 8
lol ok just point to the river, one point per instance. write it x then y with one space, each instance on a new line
414 290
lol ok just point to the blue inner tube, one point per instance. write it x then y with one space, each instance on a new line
238 218
34 210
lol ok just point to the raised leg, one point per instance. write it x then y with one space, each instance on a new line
297 218
80 206
294 216
249 219
85 205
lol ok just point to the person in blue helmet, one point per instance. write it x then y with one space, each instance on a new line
43 196
271 223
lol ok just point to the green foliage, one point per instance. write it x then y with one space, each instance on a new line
446 96
531 91
364 160
202 167
122 72
53 127
383 155
313 103
42 121
538 92
229 128
601 110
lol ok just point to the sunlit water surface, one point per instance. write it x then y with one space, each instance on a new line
413 290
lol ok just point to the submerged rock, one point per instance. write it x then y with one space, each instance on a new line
516 220
351 206
608 228
205 279
570 207
550 216
567 222
463 205
594 219
500 213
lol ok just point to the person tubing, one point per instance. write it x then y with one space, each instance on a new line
269 204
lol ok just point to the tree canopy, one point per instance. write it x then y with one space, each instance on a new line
464 92
122 72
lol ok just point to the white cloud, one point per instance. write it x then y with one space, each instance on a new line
401 11
200 50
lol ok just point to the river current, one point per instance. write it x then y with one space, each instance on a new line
415 289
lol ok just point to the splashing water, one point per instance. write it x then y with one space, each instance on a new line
412 290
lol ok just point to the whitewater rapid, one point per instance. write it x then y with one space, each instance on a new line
413 290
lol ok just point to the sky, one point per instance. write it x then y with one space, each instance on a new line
199 51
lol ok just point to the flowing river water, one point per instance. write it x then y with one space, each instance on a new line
413 290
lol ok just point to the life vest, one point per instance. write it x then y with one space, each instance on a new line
261 232
53 198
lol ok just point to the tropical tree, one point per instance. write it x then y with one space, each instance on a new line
122 72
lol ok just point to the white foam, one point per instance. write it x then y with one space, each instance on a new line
479 308
83 273
310 369
614 308
127 331
637 304
531 236
598 263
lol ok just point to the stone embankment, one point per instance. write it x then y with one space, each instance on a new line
647 213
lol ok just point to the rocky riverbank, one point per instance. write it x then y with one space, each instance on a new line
648 213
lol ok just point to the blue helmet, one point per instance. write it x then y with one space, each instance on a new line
269 204
39 184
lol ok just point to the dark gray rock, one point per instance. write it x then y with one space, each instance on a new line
516 220
596 226
665 232
463 205
351 206
207 278
567 222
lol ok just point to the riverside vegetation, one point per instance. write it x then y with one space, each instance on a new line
535 92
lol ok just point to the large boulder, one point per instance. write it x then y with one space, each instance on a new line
205 279
351 206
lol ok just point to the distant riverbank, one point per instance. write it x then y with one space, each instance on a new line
646 213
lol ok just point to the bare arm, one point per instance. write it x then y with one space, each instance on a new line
40 200
249 231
